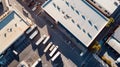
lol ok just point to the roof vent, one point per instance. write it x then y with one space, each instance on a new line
5 35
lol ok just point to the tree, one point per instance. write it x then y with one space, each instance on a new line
111 20
95 47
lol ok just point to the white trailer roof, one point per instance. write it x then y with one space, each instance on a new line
78 17
114 44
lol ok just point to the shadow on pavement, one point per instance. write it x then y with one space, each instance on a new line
1 9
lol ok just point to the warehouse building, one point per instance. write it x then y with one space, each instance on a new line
78 17
12 27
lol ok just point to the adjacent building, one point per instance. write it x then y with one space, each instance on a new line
12 27
107 7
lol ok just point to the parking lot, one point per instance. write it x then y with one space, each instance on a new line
29 46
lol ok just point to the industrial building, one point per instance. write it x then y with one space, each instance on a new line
78 17
107 7
114 40
12 27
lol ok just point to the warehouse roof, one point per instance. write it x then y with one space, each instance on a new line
78 17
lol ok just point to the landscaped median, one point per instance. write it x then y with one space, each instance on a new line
95 47
111 20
